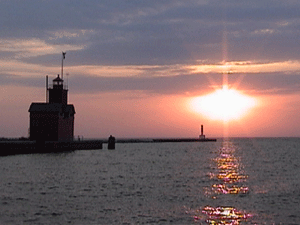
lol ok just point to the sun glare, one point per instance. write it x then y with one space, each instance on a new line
224 104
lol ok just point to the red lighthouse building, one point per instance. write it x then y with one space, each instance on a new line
53 120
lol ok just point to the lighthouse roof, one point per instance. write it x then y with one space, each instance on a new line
58 79
51 108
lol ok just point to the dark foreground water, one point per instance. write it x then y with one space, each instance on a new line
235 181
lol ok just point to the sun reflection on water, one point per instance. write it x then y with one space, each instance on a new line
228 179
229 173
224 215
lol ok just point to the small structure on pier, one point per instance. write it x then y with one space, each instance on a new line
53 120
201 136
111 144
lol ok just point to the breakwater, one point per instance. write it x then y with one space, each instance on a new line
154 140
31 147
183 140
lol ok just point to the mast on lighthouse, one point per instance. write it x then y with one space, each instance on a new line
62 64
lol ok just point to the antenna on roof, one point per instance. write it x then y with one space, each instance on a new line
47 88
67 80
62 64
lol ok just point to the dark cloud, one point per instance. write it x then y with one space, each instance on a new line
157 31
47 15
186 84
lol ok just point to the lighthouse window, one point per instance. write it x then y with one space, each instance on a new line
35 123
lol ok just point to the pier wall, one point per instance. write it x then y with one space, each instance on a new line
31 147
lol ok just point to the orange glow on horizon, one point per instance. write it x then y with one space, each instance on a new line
224 104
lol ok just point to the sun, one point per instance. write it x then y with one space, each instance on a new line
224 104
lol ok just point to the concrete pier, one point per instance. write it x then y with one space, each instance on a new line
157 140
184 140
31 147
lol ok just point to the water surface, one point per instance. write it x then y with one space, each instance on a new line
235 181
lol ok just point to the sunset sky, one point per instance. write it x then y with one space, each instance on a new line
140 68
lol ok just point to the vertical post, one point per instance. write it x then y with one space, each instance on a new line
67 80
201 130
62 68
62 64
47 97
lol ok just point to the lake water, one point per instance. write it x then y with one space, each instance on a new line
233 181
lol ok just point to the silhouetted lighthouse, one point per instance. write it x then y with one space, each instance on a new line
202 136
53 120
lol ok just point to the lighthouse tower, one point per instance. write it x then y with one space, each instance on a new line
58 93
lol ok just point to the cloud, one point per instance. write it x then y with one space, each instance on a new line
186 85
68 34
156 32
144 45
248 67
24 48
